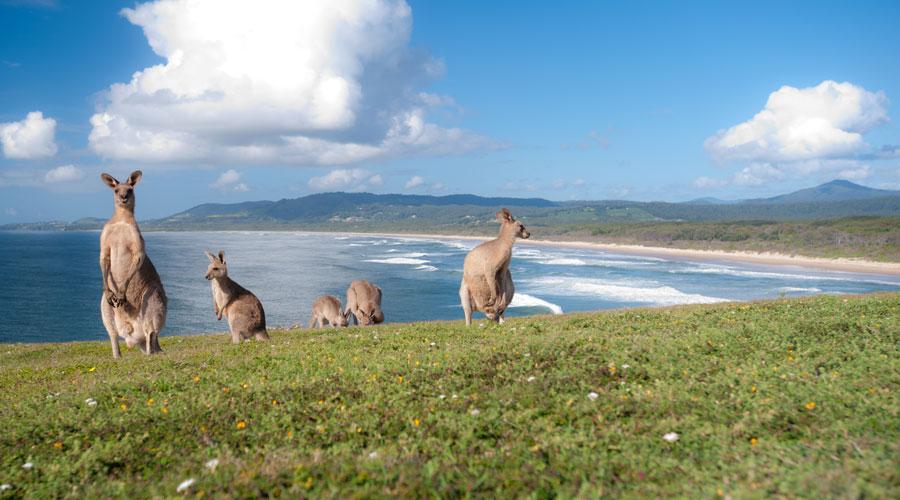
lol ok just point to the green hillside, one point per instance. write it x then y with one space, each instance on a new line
790 398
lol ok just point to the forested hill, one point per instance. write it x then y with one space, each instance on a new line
464 212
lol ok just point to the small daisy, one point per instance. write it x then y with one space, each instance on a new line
5 486
212 464
90 402
373 455
475 412
670 437
442 396
187 483
532 378
433 344
27 465
593 396
626 366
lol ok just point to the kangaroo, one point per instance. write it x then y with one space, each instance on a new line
134 302
245 314
327 311
487 284
364 303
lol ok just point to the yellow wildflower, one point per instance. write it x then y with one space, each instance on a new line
754 441
58 445
241 425
92 369
811 405
123 406
164 409
416 422
196 378
150 402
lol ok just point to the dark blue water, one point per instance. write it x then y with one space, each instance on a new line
50 288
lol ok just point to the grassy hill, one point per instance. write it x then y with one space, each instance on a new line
782 398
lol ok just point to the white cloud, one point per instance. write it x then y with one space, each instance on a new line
229 181
812 123
708 183
285 82
64 173
352 179
30 138
414 182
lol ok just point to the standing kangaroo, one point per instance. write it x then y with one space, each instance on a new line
364 303
134 302
327 311
243 310
487 284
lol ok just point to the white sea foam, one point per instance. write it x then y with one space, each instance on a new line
572 261
399 261
627 291
525 300
744 273
426 267
798 289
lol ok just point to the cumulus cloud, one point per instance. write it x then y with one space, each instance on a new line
825 121
307 83
802 132
229 181
346 179
31 138
64 173
414 182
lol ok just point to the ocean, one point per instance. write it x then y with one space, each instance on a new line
51 280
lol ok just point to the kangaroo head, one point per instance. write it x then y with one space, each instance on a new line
369 314
510 225
123 192
217 267
343 319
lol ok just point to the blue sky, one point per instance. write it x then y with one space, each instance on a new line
570 100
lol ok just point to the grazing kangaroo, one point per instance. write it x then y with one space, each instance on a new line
364 303
487 284
243 310
327 311
133 305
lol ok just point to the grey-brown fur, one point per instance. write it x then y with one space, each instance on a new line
327 310
487 284
245 314
364 303
133 305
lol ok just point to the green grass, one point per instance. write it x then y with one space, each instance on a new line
389 410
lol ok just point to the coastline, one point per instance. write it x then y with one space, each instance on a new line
767 258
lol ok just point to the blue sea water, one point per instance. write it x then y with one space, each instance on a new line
50 288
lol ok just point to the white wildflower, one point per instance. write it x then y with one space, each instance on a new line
90 402
433 344
187 483
5 486
626 366
27 465
475 412
532 378
212 464
593 396
671 436
373 455
442 396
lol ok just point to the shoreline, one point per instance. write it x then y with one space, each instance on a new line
746 257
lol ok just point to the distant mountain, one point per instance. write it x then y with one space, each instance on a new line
709 200
836 190
464 213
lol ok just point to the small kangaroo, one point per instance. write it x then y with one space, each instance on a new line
243 310
487 284
327 310
134 302
364 303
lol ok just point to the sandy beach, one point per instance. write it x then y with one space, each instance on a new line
767 258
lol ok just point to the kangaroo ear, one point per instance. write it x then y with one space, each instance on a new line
504 216
211 257
109 180
222 256
135 177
